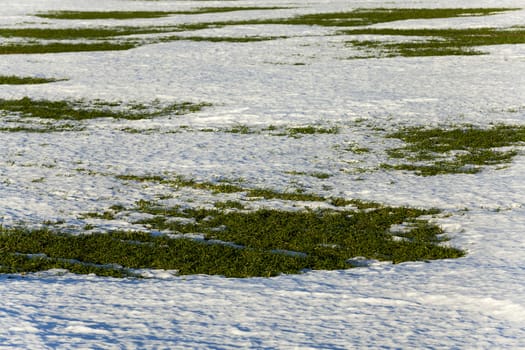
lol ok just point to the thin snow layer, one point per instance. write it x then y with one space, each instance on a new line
473 302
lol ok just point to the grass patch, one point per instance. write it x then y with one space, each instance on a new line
221 39
319 175
57 47
310 130
441 42
360 17
81 110
226 187
46 128
323 239
80 33
15 80
101 39
116 254
180 181
87 15
456 150
251 193
229 205
232 243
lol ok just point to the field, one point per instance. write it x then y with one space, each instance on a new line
246 174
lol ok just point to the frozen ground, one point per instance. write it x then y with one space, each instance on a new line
474 302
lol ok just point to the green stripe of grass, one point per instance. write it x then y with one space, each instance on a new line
88 15
57 47
441 42
80 110
15 80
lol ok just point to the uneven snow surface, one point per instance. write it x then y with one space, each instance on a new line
474 302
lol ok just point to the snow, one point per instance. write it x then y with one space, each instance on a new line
474 302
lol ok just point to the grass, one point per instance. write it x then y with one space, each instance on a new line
433 151
80 33
363 17
89 15
319 175
180 181
229 242
251 193
81 110
15 80
310 130
58 47
441 42
360 17
39 129
100 39
219 39
105 37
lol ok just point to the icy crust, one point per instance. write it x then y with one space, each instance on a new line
473 302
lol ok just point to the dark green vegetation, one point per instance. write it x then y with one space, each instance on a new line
251 193
81 110
80 33
363 17
360 17
57 47
15 80
101 39
456 150
143 14
441 42
234 243
41 128
117 38
309 130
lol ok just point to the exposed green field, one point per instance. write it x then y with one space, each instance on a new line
57 47
437 42
84 15
361 17
364 17
105 38
82 110
231 242
455 150
80 33
16 80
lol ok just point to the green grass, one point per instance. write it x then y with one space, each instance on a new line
252 194
15 80
310 130
319 175
80 33
81 110
219 39
101 39
441 42
40 129
87 15
235 244
363 17
227 187
360 17
104 38
455 150
180 181
116 254
58 47
325 239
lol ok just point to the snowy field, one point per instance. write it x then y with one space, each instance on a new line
475 302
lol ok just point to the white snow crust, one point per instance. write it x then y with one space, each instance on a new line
476 302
